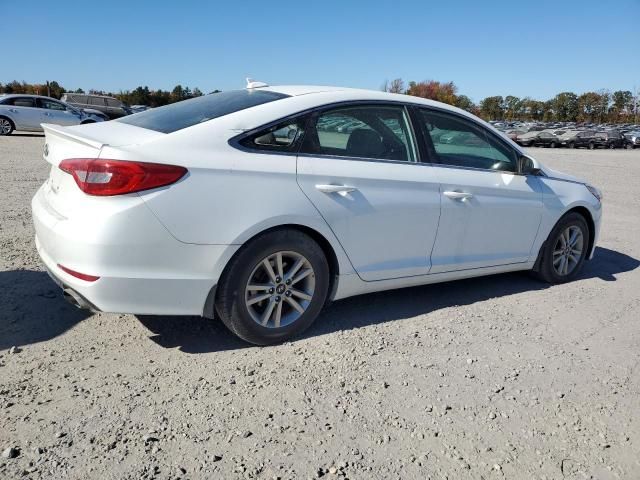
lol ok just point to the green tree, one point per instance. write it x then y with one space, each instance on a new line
566 107
492 108
465 103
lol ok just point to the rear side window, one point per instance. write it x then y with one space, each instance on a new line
97 101
187 113
21 102
283 137
377 132
112 102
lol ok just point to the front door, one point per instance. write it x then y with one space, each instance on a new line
490 214
359 166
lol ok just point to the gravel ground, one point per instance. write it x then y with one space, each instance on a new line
499 377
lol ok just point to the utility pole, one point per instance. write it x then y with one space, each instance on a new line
48 89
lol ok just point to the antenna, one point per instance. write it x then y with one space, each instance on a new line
251 83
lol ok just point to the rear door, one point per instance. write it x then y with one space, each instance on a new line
359 166
490 214
24 113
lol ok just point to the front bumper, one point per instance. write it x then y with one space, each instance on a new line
142 268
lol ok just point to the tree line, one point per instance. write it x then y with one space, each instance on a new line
603 106
139 96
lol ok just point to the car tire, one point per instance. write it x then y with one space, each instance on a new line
629 146
591 145
6 126
553 145
612 146
572 145
274 318
561 261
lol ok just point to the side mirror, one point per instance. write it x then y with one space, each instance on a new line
527 166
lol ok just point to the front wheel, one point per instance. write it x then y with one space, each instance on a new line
6 127
629 146
565 250
553 145
274 288
592 146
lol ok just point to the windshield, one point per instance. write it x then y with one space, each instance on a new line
187 113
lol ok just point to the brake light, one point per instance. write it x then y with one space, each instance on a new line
98 176
81 276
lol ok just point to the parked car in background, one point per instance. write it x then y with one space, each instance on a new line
527 139
112 107
567 137
631 140
546 139
382 206
584 139
611 139
139 108
27 112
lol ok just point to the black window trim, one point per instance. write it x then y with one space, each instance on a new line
310 113
424 157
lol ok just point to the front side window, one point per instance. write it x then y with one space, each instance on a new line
187 113
112 102
378 132
462 143
282 137
50 105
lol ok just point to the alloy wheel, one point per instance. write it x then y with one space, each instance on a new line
5 126
567 251
280 289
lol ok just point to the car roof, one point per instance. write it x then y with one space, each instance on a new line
355 94
28 95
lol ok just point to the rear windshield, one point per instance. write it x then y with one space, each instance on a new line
187 113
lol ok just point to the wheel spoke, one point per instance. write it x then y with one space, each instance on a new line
302 295
267 313
276 321
269 269
293 270
279 265
301 275
573 237
258 287
565 266
295 304
557 259
258 298
573 258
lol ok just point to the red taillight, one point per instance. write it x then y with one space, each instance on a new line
97 176
81 276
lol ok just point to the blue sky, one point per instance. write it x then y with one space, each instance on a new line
520 47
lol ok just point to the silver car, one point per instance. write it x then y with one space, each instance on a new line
27 112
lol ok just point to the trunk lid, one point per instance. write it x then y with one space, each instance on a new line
60 190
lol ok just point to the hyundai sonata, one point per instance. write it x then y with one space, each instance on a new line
236 206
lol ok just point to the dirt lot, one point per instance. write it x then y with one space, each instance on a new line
499 377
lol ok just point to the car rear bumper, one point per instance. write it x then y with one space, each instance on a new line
142 269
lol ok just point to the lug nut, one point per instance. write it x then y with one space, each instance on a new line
271 290
288 293
288 282
277 299
278 279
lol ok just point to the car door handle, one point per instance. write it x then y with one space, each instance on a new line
340 189
47 114
14 110
458 195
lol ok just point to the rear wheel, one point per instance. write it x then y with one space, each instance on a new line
274 288
565 250
612 146
592 145
629 146
553 145
6 126
572 145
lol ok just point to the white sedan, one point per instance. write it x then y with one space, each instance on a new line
259 206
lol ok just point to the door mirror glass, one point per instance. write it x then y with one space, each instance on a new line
528 166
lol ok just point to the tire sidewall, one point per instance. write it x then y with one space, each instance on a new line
10 125
549 273
240 321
